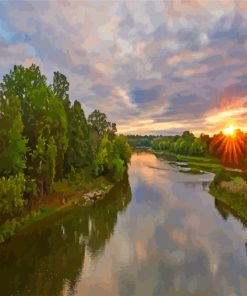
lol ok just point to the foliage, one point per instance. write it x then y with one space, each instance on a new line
11 196
98 122
60 87
187 144
44 139
12 143
137 141
122 149
112 156
44 160
78 153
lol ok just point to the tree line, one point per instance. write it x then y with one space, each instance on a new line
44 136
230 150
186 144
138 141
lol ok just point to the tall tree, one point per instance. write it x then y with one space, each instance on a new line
60 87
43 164
78 154
42 112
12 143
98 121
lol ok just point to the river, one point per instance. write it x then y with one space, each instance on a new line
157 233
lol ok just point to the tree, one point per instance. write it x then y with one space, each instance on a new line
20 83
122 148
101 159
206 139
188 136
98 121
78 152
60 87
43 164
12 143
42 112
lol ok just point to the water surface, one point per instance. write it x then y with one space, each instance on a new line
158 233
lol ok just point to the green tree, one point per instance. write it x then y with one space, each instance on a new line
12 143
60 87
122 148
43 164
21 82
101 158
98 121
78 152
42 112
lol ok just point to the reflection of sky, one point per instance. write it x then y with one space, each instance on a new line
171 239
152 66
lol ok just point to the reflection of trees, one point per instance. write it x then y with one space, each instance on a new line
103 216
224 211
51 256
221 208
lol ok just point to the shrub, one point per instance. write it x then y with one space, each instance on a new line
11 196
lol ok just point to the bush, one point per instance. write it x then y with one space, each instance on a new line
11 196
222 176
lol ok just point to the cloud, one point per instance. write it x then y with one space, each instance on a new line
165 63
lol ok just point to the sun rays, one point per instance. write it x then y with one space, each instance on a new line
230 146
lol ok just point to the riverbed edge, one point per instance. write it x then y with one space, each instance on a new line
83 198
234 202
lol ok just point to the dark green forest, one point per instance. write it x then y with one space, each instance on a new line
45 138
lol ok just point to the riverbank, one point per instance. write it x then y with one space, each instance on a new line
229 186
194 163
66 193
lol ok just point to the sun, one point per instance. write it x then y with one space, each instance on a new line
230 146
230 131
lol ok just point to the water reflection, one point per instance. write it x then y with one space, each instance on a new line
169 238
50 259
223 211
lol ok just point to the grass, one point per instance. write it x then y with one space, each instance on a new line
236 202
196 164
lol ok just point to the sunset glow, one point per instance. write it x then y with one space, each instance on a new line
230 131
230 146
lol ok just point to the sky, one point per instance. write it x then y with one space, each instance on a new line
154 67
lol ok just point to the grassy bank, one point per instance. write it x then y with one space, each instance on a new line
196 164
66 193
229 187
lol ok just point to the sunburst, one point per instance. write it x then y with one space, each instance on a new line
230 131
230 146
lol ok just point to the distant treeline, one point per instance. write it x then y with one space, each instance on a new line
137 141
187 144
231 150
45 137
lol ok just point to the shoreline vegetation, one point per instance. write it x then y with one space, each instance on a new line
64 196
51 155
229 186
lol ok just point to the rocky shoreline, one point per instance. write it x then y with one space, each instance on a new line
93 196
